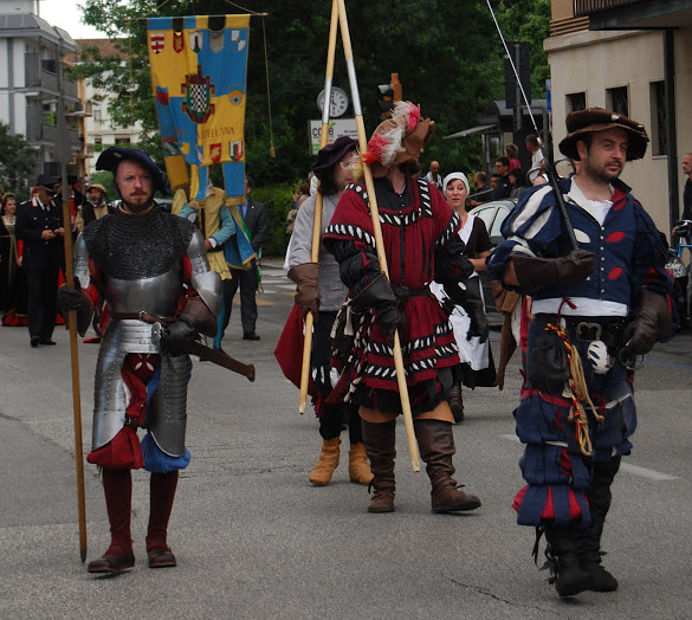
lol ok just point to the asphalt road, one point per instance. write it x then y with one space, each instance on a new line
255 540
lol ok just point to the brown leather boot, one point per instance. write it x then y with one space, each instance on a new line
436 443
358 468
117 488
162 489
379 440
456 402
327 462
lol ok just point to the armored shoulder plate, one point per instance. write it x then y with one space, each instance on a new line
205 281
81 262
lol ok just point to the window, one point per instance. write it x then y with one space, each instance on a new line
97 113
657 102
98 145
122 139
576 101
49 113
617 100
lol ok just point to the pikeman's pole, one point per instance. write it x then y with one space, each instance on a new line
63 157
317 220
377 230
74 359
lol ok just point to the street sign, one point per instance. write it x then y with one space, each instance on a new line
337 128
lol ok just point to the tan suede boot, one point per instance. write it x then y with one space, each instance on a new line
326 464
358 468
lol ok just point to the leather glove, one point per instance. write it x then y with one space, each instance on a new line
470 300
70 298
651 321
534 273
177 337
388 317
378 294
306 277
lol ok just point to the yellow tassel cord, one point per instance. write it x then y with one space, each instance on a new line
579 392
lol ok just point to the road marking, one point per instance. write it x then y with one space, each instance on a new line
644 472
669 364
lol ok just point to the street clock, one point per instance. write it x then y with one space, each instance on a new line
339 102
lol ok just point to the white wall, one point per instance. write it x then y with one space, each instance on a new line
592 62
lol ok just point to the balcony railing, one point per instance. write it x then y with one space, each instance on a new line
35 76
586 7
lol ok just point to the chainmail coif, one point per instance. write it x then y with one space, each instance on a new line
131 247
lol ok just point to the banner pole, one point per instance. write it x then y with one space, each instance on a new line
317 218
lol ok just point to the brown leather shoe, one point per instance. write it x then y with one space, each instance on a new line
451 499
161 558
112 562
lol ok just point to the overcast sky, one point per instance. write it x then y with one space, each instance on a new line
68 16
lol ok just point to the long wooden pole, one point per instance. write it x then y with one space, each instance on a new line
317 219
63 158
377 230
74 360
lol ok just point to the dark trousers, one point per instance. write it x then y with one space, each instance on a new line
247 281
338 415
42 295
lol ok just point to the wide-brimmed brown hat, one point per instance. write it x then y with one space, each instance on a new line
99 187
399 139
592 120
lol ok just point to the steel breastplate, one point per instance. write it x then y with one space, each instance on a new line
157 295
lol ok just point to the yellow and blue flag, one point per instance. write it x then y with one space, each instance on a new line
198 78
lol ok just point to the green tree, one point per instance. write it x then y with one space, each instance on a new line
448 56
18 162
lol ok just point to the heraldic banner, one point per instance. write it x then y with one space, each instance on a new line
198 77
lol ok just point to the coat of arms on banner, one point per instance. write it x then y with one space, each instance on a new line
215 152
238 39
198 91
157 42
196 40
236 150
178 42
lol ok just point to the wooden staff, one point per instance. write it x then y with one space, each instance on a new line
377 230
317 218
74 358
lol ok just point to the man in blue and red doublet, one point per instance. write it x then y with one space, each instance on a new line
419 231
600 305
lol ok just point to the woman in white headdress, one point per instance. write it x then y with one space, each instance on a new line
477 367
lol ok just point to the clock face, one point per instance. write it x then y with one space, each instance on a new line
339 102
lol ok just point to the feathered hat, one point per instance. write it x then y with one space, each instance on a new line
399 139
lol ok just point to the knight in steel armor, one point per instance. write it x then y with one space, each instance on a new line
151 269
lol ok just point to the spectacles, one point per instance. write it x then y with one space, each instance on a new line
348 164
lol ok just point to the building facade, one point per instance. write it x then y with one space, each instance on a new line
634 57
33 84
100 131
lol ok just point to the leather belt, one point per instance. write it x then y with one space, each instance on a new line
404 292
588 329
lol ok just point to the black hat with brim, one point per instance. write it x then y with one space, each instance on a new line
591 120
47 182
110 160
